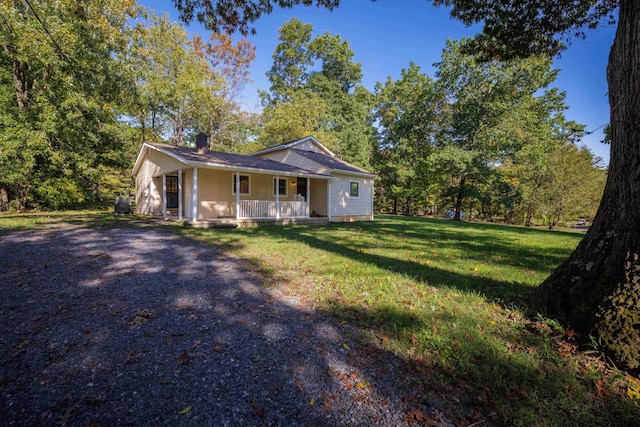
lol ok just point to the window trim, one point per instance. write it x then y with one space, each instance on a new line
286 187
233 183
357 195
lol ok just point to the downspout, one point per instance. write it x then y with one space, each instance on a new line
329 199
372 194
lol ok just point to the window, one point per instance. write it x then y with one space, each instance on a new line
354 189
282 186
244 184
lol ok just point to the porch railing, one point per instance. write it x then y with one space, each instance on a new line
267 209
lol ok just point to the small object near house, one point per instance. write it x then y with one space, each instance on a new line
451 213
286 183
581 223
123 205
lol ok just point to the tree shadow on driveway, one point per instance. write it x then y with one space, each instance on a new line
119 326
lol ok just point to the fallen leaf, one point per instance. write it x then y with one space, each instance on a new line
312 401
185 410
184 358
346 347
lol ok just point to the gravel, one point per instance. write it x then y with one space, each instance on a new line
136 326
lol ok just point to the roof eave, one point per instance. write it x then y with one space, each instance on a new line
363 174
259 170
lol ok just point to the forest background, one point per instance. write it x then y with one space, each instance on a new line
83 87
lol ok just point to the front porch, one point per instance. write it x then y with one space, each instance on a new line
217 197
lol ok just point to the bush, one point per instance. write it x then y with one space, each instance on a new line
619 327
59 193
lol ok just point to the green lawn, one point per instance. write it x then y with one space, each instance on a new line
450 300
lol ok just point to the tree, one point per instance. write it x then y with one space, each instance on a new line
179 91
481 97
315 89
603 265
573 182
61 84
224 16
407 112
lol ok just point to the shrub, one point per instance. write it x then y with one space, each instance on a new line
59 193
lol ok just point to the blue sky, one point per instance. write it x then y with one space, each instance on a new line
387 34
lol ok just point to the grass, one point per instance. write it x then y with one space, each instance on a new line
448 299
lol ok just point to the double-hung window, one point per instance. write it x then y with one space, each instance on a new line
245 187
282 186
354 189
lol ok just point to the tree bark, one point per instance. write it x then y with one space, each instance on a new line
576 290
457 215
4 199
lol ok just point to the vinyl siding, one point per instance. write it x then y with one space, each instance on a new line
162 163
142 188
187 192
214 194
318 202
342 205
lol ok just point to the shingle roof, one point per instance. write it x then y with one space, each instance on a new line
332 162
216 158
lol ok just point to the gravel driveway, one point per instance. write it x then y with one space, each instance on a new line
109 326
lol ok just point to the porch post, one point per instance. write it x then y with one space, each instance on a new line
151 189
308 199
179 194
164 195
277 197
237 195
194 204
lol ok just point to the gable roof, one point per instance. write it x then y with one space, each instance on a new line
219 160
334 163
293 144
325 158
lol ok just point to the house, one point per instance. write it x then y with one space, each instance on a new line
288 183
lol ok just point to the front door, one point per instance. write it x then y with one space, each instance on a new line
301 187
172 192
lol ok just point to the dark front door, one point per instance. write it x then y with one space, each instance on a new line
301 187
172 192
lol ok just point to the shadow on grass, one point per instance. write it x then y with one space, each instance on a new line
376 243
506 380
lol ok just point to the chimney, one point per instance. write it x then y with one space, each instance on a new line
201 143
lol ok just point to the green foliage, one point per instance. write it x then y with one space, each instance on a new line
58 193
407 113
315 90
529 28
619 324
61 83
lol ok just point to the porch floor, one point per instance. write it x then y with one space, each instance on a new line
241 223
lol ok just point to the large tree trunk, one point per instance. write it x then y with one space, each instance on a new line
578 289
